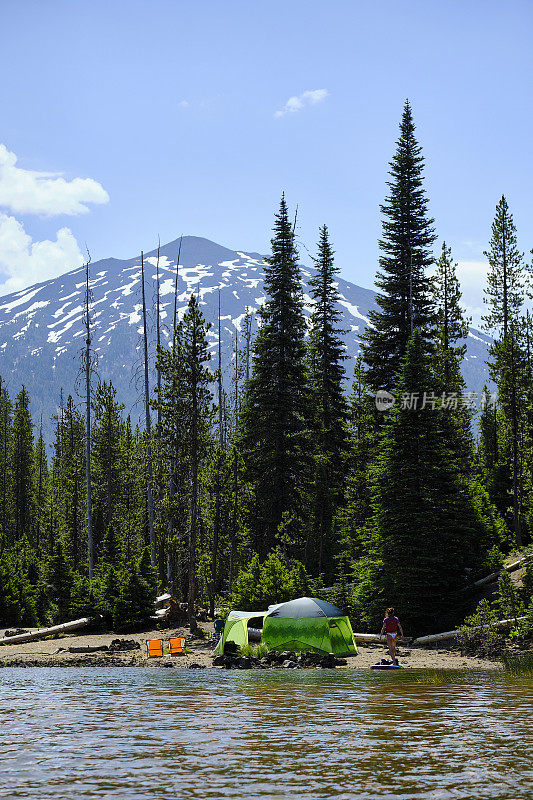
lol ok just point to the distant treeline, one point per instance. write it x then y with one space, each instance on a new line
274 483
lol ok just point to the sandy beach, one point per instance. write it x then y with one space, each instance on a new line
57 653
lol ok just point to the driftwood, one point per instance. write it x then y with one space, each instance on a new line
66 627
507 567
439 637
368 637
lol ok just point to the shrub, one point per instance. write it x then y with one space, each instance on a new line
254 652
478 631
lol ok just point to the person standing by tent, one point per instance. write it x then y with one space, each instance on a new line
391 628
218 626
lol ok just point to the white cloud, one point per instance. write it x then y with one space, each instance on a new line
28 192
184 104
309 98
27 262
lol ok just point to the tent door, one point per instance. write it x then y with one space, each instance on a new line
341 639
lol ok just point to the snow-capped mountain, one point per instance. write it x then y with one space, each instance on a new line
42 327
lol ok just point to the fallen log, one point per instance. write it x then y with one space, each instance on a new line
440 637
495 575
66 627
368 637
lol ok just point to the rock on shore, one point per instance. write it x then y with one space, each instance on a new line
285 660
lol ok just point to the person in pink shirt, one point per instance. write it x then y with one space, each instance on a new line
391 629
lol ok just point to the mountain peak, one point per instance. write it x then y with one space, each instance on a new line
42 327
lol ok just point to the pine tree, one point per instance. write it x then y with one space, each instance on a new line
353 515
504 296
41 478
185 403
135 602
275 413
198 408
17 597
72 479
59 580
6 429
504 293
22 469
404 298
450 333
106 461
452 325
428 528
330 435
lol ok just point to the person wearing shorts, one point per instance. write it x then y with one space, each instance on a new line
391 629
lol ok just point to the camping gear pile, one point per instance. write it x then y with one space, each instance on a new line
306 624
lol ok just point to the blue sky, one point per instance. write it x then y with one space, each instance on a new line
158 117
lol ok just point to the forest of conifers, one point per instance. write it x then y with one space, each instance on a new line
274 482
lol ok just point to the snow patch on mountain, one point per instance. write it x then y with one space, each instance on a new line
43 337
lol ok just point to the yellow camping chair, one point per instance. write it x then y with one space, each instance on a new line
176 647
154 648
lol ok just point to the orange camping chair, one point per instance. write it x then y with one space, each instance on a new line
176 647
154 647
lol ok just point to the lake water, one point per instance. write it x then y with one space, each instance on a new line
155 733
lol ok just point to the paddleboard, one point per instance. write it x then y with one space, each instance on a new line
387 666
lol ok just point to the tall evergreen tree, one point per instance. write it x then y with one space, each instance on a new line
22 469
452 325
275 412
106 461
73 474
504 296
198 413
404 297
450 333
6 429
353 515
327 374
40 492
504 293
428 528
185 402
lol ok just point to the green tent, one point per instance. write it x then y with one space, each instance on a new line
236 628
308 623
303 624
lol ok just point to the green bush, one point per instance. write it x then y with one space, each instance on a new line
478 632
254 652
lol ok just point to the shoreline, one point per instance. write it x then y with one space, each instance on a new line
55 653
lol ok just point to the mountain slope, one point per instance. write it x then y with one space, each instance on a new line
42 327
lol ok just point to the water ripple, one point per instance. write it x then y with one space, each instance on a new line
133 733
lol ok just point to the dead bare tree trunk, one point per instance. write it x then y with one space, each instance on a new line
158 331
90 540
149 470
173 455
216 527
193 530
233 537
